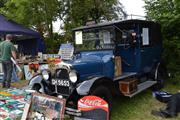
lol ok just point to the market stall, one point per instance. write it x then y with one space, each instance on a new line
28 42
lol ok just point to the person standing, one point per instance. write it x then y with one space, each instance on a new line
1 40
7 50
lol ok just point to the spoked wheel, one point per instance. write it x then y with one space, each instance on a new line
160 75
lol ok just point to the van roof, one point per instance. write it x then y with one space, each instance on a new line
114 23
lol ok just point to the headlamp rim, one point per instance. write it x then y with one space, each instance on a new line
75 73
43 71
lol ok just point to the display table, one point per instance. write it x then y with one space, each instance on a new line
28 72
25 62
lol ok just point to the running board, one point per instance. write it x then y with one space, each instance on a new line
141 87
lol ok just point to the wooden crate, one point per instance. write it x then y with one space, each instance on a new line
128 86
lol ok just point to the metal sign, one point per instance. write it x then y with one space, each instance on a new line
94 108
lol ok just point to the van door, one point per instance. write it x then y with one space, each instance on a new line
128 55
146 51
151 47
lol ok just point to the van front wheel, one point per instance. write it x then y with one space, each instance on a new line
104 93
36 87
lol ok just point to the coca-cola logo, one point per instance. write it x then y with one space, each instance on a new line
92 102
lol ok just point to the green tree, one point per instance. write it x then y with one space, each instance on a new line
82 11
2 3
38 14
167 13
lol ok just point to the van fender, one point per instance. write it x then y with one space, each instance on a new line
159 67
156 71
36 80
85 87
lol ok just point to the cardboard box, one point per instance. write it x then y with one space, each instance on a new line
128 86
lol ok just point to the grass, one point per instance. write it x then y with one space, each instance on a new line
138 107
19 84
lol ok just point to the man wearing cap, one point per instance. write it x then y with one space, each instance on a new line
7 50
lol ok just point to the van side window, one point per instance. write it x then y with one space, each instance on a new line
145 36
151 35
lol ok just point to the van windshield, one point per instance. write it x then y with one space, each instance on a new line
94 39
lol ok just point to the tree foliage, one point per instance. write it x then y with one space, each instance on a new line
167 13
82 11
40 14
2 3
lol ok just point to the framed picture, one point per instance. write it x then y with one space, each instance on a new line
44 107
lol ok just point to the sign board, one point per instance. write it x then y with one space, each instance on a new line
45 107
94 108
66 51
78 37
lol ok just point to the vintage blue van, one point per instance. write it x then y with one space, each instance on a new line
106 59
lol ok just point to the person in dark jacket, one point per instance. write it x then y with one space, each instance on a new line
7 51
172 108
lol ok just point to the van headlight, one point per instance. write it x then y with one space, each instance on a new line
73 76
45 74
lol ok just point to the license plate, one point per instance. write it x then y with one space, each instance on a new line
64 83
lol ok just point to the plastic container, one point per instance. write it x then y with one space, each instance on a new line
162 96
